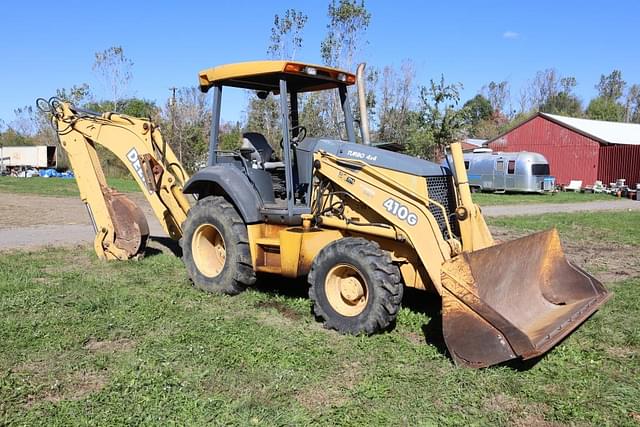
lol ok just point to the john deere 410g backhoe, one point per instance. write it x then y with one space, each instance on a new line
361 223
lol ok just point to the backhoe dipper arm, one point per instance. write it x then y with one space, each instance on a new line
121 227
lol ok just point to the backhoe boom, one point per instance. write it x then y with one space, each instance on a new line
121 227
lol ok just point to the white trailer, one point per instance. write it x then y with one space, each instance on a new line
34 156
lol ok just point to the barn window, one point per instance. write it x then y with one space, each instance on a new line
511 167
499 166
540 169
466 164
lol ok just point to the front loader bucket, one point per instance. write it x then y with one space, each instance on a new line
516 299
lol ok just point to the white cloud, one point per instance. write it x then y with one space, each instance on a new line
510 35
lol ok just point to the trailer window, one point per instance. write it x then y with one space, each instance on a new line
499 166
466 164
540 169
511 167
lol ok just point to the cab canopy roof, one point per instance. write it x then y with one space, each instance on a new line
266 75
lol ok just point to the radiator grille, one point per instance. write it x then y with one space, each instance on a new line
440 189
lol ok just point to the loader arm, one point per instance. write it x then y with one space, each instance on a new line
499 301
121 227
389 194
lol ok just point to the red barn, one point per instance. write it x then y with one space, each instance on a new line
578 149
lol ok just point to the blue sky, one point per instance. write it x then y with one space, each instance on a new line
45 45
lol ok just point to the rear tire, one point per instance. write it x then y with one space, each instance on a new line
215 247
355 287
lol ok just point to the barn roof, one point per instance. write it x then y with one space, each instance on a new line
606 132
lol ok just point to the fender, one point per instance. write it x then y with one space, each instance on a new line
228 181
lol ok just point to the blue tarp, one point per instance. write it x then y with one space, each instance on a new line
52 173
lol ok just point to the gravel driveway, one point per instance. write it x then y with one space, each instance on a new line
542 208
32 221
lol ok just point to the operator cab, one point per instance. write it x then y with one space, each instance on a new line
283 184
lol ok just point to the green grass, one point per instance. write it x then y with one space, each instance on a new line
488 199
612 227
57 186
89 342
68 187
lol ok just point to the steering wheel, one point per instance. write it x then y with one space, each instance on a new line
302 134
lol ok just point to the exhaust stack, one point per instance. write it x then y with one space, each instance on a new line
362 103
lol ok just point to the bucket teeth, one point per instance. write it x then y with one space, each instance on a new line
516 299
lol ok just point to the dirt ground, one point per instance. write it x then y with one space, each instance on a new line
27 210
607 262
31 221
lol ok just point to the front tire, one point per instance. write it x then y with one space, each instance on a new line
215 247
355 287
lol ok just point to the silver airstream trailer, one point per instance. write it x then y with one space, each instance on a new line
518 172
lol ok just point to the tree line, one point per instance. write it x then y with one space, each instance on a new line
423 118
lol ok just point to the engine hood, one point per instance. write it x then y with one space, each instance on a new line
374 156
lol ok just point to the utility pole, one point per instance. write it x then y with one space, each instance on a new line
172 111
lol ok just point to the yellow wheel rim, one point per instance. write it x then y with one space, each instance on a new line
208 249
346 290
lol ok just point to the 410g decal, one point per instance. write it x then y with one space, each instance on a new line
401 211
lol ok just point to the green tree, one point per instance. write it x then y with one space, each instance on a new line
440 122
76 94
135 107
498 94
263 115
611 87
605 109
632 104
114 69
230 136
348 21
476 110
491 127
394 103
315 116
187 117
9 137
549 92
563 104
286 34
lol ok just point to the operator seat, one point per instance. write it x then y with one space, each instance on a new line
263 150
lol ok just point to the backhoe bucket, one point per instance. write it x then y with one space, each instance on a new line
516 299
131 229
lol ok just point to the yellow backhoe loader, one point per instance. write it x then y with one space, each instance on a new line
360 222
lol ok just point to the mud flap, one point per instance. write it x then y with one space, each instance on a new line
131 229
516 299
